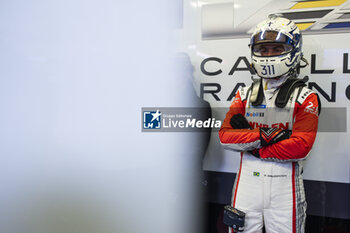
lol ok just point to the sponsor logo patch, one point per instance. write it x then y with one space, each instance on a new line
254 114
259 106
310 108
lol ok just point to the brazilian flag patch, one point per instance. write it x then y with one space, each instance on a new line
256 173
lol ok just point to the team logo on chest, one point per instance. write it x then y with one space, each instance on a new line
281 125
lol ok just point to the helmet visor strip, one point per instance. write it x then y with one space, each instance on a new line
270 49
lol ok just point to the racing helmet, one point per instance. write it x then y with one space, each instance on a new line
276 47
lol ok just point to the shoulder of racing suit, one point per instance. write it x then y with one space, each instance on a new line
304 93
243 93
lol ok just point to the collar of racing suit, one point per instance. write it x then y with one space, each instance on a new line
272 85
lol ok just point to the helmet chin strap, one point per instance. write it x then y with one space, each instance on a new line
291 74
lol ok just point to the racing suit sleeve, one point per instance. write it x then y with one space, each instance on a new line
304 130
238 139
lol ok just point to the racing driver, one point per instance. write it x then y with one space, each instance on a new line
273 123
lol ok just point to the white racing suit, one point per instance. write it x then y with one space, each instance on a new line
270 189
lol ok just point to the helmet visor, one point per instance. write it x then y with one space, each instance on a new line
270 36
271 49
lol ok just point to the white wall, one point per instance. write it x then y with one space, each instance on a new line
73 78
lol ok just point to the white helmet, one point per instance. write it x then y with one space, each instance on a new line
283 38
